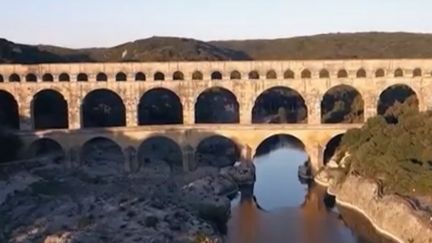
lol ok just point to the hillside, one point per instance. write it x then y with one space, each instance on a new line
326 46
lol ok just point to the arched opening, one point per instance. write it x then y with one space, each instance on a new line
288 74
103 155
217 105
324 73
121 77
216 75
46 147
271 74
31 78
140 76
332 147
160 154
101 77
342 104
379 73
361 73
306 73
158 76
235 75
14 78
394 95
49 110
342 73
217 151
278 141
279 105
254 75
398 73
82 77
417 72
1 78
9 116
64 77
103 108
197 75
160 106
178 75
47 77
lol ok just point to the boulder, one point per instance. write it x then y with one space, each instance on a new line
242 173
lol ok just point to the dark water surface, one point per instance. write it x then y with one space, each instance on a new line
288 211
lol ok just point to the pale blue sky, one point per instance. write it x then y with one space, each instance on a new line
87 23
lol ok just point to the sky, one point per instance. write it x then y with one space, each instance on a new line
103 23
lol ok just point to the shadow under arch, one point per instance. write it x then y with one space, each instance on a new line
342 104
218 151
279 105
9 116
103 108
331 147
102 153
217 105
396 93
46 147
49 110
160 106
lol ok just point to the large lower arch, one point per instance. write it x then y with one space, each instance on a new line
49 110
160 153
398 93
103 108
278 141
217 151
217 105
279 105
331 147
9 116
101 152
46 147
342 104
160 106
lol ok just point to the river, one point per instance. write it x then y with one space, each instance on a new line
289 211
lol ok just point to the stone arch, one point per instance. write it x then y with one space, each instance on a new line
380 73
342 73
279 105
277 141
1 78
160 106
64 77
253 75
331 147
397 93
197 75
216 75
121 77
271 74
342 104
398 73
306 73
177 75
217 105
140 76
159 76
289 74
154 152
101 77
102 152
82 77
46 147
103 108
14 78
9 116
361 73
47 77
31 77
417 72
217 151
49 110
235 75
324 73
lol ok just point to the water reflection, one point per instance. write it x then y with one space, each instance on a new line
278 208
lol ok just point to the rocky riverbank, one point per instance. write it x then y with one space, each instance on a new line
50 204
401 218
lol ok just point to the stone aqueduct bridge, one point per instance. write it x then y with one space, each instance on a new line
245 79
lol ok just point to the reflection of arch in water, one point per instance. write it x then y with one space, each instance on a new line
156 150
